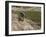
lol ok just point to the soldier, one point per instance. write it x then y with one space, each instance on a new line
21 17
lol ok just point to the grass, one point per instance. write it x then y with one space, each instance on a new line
33 15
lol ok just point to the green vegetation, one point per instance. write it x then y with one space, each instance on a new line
33 15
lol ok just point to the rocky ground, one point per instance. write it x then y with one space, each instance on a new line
25 25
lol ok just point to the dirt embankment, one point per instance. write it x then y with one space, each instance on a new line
25 25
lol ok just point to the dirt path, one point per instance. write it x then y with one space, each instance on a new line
25 25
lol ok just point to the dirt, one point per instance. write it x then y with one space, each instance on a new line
25 25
